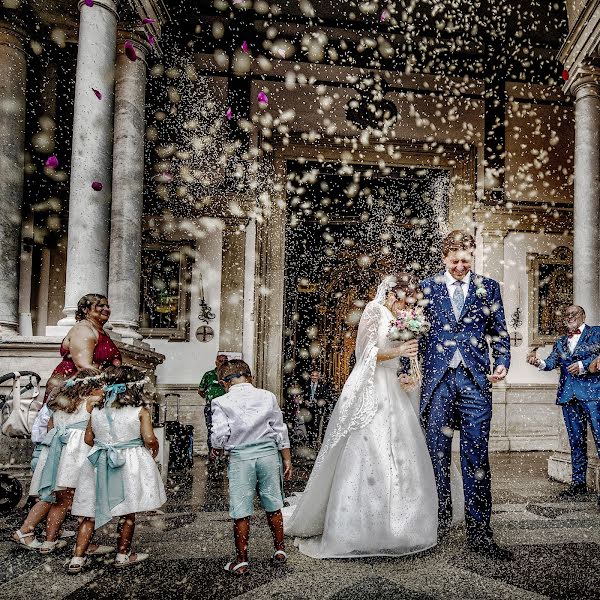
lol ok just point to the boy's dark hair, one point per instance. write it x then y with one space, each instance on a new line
134 380
457 240
67 397
235 367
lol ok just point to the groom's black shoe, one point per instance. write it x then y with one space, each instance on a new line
487 547
574 490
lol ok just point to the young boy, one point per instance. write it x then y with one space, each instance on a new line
248 423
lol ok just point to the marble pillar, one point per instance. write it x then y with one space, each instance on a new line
127 191
232 289
493 253
586 273
12 140
91 159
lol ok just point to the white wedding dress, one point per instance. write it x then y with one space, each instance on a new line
372 490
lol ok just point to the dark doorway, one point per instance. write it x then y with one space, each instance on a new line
347 226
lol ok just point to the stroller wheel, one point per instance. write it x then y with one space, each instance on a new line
11 491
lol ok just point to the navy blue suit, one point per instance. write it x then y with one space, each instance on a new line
579 395
462 397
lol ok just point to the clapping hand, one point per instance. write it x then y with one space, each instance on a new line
532 358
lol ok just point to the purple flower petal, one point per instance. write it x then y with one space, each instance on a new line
89 3
263 98
130 51
97 186
52 162
98 93
385 15
151 39
146 21
229 114
245 47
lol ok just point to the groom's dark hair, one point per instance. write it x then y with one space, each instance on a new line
457 240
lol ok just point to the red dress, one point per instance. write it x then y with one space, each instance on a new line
105 354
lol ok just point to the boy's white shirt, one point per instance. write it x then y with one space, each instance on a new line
246 414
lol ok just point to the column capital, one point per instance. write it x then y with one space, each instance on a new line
109 5
13 36
584 82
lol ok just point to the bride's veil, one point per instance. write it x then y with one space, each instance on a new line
357 404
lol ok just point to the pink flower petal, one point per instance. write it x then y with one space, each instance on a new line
130 51
98 93
89 3
281 52
151 39
52 162
245 47
97 186
263 98
385 15
238 1
229 114
146 21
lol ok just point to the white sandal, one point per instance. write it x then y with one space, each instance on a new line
279 561
233 567
33 545
49 547
76 565
125 560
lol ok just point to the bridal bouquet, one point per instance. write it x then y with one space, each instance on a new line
410 324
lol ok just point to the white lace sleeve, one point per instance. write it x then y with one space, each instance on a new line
357 404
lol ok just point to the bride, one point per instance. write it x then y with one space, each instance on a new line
372 489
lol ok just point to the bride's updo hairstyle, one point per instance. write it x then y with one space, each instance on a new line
406 286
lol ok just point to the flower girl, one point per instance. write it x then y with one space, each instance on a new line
63 452
120 477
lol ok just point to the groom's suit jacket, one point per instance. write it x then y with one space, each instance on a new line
582 387
482 316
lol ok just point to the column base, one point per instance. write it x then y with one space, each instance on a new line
559 469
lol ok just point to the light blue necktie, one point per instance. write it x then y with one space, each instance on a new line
458 302
55 439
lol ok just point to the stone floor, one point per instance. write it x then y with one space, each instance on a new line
556 545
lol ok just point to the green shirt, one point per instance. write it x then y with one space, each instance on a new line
210 386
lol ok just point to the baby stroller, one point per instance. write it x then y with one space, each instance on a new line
18 410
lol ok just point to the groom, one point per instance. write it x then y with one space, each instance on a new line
465 311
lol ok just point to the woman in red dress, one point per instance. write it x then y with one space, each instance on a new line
86 345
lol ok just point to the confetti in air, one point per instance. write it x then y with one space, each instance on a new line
229 114
130 51
98 93
245 49
97 186
89 3
52 162
263 98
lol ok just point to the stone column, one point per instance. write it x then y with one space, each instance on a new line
12 140
586 278
232 289
127 191
91 159
493 253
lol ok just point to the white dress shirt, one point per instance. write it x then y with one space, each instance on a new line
245 415
572 341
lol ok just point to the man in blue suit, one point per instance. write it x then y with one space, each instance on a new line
578 390
465 311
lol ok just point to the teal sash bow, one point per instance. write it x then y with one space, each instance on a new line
110 489
55 439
